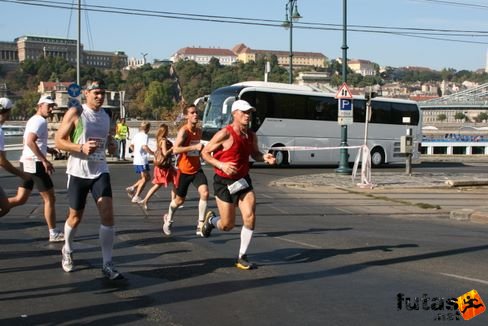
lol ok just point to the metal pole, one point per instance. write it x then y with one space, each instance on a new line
344 156
290 10
78 45
408 161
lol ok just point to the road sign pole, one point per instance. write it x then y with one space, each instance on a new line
344 156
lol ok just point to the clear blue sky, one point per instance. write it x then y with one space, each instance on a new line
160 37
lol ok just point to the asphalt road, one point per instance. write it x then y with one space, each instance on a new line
325 257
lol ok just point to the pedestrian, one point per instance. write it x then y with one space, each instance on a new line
121 135
34 162
188 147
228 152
141 162
162 175
5 205
85 134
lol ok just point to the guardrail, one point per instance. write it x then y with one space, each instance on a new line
447 147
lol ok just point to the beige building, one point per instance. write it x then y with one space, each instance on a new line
300 59
204 55
363 67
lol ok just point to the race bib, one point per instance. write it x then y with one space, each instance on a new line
194 153
99 153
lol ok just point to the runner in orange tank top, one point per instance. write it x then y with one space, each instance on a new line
188 146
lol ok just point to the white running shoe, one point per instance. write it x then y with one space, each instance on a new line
56 236
130 191
167 224
136 199
199 229
67 261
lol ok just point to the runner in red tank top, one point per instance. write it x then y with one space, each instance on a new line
228 151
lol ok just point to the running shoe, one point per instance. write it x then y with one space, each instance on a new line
111 273
199 229
67 261
143 205
167 224
136 199
56 236
207 224
243 263
130 192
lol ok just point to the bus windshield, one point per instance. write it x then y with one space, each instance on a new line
217 111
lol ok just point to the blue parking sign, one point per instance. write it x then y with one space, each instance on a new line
345 105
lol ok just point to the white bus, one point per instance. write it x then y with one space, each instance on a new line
292 115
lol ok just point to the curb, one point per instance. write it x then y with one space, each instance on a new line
467 214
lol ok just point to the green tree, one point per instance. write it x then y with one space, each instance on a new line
459 116
441 117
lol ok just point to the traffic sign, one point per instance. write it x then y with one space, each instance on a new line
344 92
74 90
345 107
345 120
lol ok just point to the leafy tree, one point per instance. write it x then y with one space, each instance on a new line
441 117
459 116
483 116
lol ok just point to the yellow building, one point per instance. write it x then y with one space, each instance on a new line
300 59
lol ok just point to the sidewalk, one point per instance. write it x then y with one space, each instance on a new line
460 196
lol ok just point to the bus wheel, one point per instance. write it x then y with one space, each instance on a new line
377 157
281 158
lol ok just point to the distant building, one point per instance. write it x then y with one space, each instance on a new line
363 67
204 55
300 59
315 79
36 47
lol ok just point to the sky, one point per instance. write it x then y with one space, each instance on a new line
395 33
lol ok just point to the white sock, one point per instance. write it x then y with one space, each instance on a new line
246 235
107 235
202 208
215 221
53 231
172 209
69 236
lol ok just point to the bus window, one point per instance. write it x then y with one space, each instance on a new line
322 108
359 110
381 112
401 110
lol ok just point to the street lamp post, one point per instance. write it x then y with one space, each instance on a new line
343 160
292 15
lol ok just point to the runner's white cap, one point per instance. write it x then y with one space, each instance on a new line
242 105
5 103
46 99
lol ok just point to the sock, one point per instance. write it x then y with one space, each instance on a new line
202 207
172 209
53 231
246 235
107 236
215 221
69 235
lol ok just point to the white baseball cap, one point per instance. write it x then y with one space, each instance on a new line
46 99
5 103
242 105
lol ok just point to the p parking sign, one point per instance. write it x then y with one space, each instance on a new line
345 111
